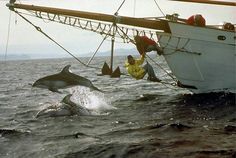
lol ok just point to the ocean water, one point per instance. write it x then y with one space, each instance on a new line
130 119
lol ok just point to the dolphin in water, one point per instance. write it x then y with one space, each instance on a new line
65 108
62 80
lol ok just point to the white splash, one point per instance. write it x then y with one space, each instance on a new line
92 100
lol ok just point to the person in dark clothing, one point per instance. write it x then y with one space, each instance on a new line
145 44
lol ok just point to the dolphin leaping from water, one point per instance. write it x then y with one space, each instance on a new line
62 80
65 108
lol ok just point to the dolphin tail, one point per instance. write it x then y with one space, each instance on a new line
40 113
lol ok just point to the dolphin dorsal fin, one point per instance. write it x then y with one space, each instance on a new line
66 69
66 99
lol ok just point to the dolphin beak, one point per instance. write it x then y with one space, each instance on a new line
33 85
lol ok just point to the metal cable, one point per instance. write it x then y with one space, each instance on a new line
8 37
160 8
98 47
116 13
161 68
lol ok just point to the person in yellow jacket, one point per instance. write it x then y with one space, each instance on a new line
135 69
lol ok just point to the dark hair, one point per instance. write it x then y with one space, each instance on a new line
129 56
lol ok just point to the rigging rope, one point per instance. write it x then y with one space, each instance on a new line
116 13
176 47
39 29
131 40
98 48
163 83
159 8
89 24
8 37
161 68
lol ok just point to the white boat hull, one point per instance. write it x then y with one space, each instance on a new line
203 59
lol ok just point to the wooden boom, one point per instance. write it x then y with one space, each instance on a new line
209 2
137 22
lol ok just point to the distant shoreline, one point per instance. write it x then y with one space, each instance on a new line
118 52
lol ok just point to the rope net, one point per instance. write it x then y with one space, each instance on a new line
125 34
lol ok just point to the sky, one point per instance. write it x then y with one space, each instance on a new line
24 39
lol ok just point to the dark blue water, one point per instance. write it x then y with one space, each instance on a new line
131 119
